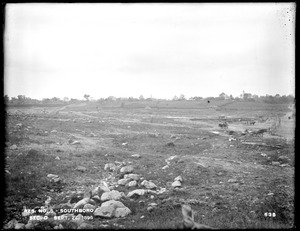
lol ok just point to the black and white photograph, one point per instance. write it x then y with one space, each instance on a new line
149 115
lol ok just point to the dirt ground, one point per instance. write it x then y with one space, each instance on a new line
232 178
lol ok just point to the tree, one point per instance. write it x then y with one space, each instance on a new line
21 98
141 97
55 99
86 97
46 100
175 97
66 99
6 99
182 97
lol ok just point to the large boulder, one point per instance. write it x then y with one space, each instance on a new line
114 203
112 195
122 212
105 211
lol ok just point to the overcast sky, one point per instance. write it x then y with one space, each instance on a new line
122 50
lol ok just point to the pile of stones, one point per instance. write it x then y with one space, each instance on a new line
104 201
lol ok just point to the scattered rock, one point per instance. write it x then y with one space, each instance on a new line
92 135
19 226
148 184
57 158
13 147
150 208
53 131
75 142
127 169
132 176
170 144
275 163
284 165
252 214
132 183
103 187
124 181
65 206
136 155
79 219
81 203
96 198
69 224
138 192
85 226
50 214
153 204
236 186
161 190
11 224
110 167
54 178
232 180
283 159
89 206
81 169
178 178
98 191
29 225
112 195
165 167
176 184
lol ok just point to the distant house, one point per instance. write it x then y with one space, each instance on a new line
246 95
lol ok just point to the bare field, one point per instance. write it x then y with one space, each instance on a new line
231 178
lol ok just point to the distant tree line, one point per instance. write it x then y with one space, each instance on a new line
22 99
